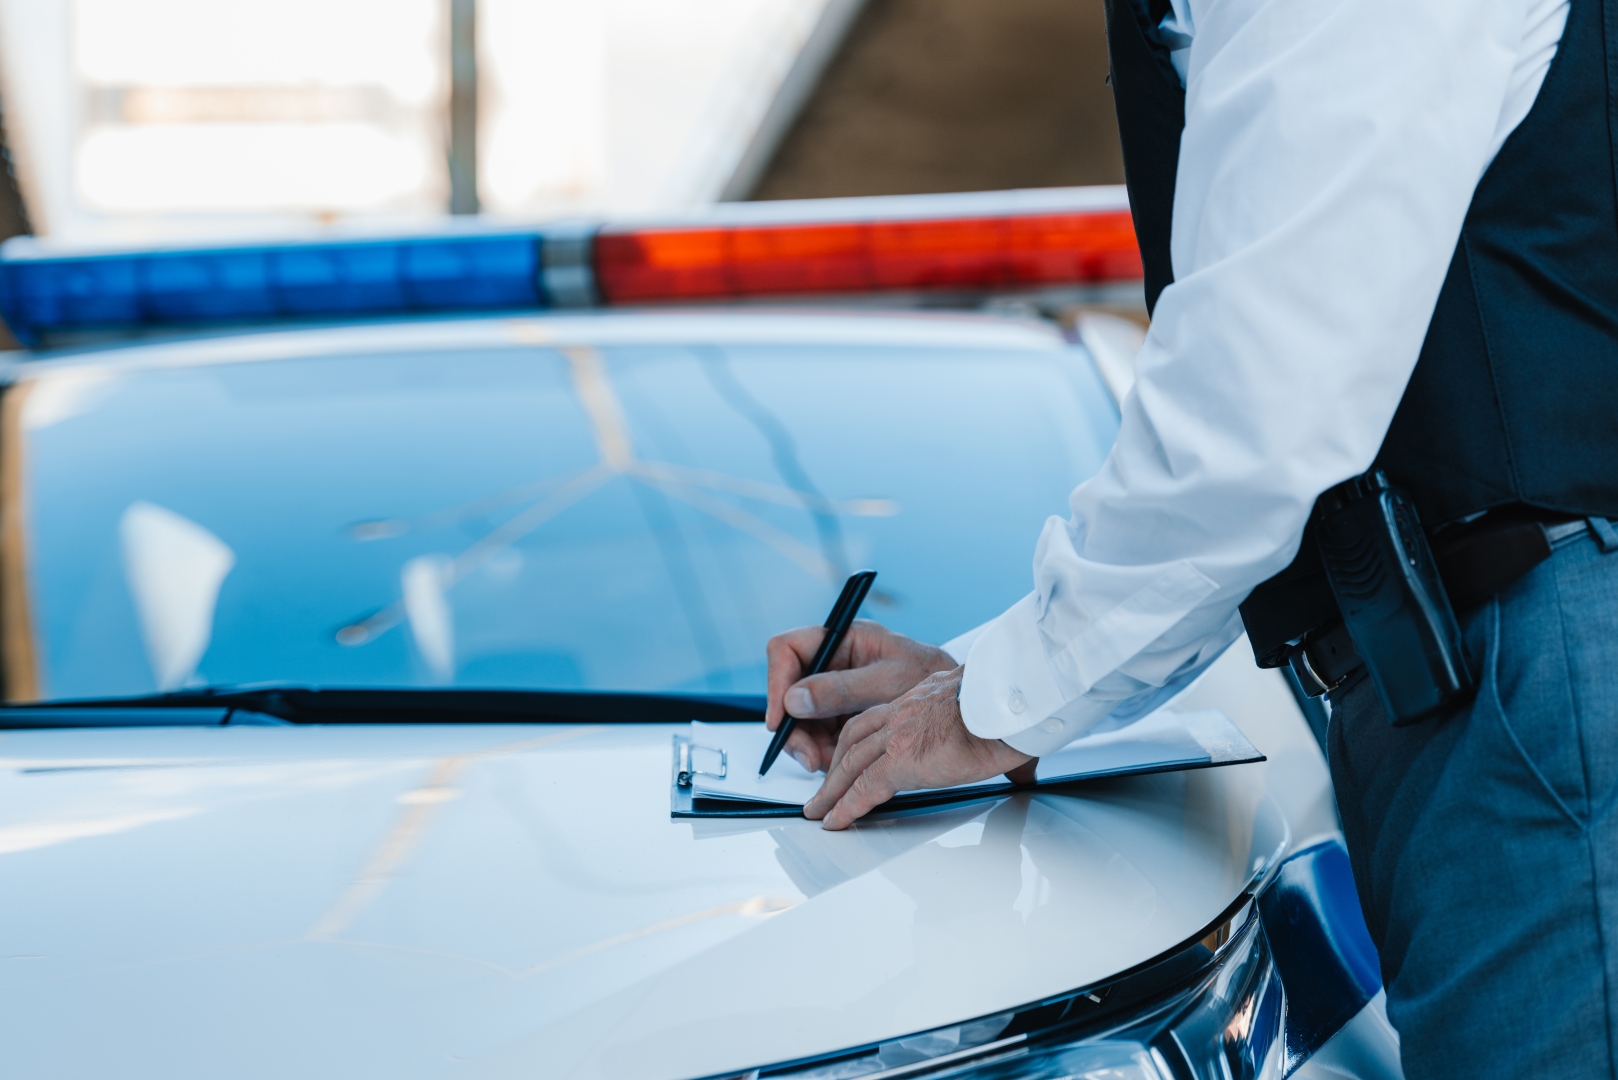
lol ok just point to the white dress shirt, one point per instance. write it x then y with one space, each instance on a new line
1330 152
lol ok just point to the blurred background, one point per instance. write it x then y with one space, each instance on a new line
142 119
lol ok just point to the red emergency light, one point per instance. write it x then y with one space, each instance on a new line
973 243
984 252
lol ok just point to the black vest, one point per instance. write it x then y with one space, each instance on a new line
1515 397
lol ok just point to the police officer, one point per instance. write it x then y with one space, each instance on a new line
1376 234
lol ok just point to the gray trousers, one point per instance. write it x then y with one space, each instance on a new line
1484 844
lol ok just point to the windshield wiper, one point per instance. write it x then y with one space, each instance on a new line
307 705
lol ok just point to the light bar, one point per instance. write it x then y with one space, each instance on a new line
964 244
972 254
42 292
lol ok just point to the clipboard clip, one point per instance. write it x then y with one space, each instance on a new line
687 769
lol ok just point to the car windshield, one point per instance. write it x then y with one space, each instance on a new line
626 515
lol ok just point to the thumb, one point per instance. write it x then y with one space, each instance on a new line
838 693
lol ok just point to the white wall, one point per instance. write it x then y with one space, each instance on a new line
133 118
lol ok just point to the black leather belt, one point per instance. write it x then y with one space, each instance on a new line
1476 560
1327 659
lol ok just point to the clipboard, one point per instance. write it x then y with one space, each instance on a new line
1166 741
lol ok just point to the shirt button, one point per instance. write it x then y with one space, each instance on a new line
1016 702
1053 725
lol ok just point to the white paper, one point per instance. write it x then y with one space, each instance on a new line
1165 739
744 744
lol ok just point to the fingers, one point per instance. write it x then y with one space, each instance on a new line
856 730
874 787
874 666
839 693
788 656
843 775
825 739
801 746
919 741
867 642
812 744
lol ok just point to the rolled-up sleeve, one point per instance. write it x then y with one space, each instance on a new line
1329 156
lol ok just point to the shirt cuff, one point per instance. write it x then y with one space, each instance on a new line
1055 732
1008 686
1072 721
959 647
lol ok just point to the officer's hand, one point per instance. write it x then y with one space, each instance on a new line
873 667
919 741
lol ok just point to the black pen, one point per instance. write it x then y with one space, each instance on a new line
837 624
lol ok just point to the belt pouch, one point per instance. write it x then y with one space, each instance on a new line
1387 587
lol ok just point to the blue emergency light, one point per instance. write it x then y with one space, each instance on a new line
44 292
970 244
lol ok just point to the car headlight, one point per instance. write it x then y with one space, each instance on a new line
1211 1010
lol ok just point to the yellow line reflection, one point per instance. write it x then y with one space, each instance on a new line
400 843
601 405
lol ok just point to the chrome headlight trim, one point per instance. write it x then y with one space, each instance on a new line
1213 1007
1111 1017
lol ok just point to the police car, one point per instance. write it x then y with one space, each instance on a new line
352 589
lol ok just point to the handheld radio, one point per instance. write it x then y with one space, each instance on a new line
1386 582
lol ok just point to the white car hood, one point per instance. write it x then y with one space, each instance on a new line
514 900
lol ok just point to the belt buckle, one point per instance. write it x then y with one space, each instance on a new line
1313 685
